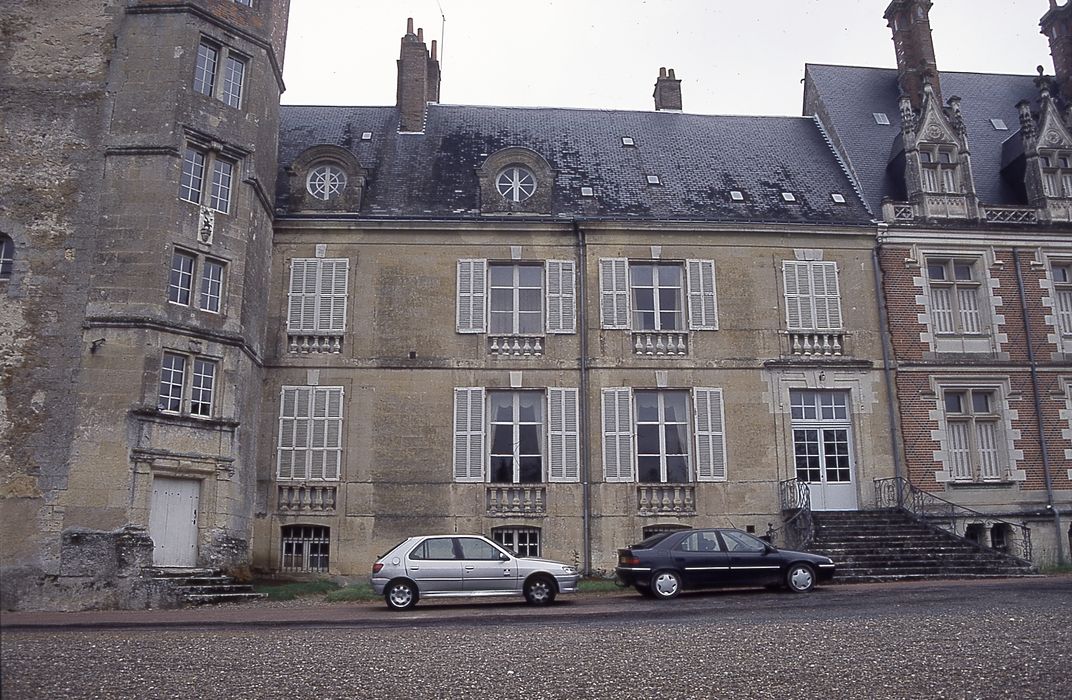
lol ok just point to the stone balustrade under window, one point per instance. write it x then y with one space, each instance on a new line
671 343
306 344
515 345
516 500
306 498
817 343
666 499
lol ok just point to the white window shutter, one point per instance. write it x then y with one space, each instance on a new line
798 304
614 292
826 295
562 435
301 314
710 434
472 296
287 412
561 304
469 434
331 301
618 434
703 304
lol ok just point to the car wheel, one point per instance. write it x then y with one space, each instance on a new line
644 591
539 590
800 578
665 585
400 595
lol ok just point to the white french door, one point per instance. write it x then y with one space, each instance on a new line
822 447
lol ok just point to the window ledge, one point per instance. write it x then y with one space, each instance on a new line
157 416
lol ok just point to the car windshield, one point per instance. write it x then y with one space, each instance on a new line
651 541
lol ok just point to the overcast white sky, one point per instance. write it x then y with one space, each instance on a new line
732 57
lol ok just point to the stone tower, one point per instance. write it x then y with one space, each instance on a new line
137 161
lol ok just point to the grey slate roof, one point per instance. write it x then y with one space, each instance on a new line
699 159
850 94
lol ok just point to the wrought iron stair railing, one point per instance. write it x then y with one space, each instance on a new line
796 504
898 492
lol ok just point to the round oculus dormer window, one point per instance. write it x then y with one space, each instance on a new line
325 181
516 184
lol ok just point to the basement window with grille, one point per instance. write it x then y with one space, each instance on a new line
305 548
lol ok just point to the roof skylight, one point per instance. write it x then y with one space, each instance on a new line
628 141
587 192
881 118
999 124
789 197
737 195
366 135
838 198
654 180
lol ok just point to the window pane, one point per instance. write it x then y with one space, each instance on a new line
502 300
502 440
677 469
502 322
530 322
529 300
475 549
648 469
528 439
677 439
674 406
936 271
502 407
643 299
529 403
530 276
502 470
647 405
531 470
641 275
648 439
501 275
963 271
954 402
7 256
980 402
670 276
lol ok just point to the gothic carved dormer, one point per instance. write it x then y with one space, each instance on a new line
938 170
1047 143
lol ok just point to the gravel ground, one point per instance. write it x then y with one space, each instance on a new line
903 646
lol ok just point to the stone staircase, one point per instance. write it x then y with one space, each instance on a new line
200 586
891 545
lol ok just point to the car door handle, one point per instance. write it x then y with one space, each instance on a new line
468 568
414 567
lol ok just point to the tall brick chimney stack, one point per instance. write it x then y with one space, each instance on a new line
911 25
1057 26
667 91
418 80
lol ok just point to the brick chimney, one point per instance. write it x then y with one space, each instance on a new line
911 25
1057 26
418 80
667 91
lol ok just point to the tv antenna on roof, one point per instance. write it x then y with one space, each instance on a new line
442 34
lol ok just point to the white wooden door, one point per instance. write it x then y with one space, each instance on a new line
822 447
173 521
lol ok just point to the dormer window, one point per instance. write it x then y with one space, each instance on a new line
516 183
325 181
1056 174
939 169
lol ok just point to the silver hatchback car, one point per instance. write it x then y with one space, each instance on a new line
465 565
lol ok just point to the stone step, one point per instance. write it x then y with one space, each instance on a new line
217 588
203 598
884 577
196 580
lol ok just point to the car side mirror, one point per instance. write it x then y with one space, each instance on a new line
769 548
503 556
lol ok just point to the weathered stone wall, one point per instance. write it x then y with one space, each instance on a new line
401 359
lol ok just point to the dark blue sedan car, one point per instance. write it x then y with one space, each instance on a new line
665 564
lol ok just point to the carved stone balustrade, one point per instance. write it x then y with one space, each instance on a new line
817 343
673 343
515 345
516 500
306 498
666 499
306 344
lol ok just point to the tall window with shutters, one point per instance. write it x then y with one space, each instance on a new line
516 437
661 436
659 302
310 433
516 304
316 311
813 307
973 435
955 292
